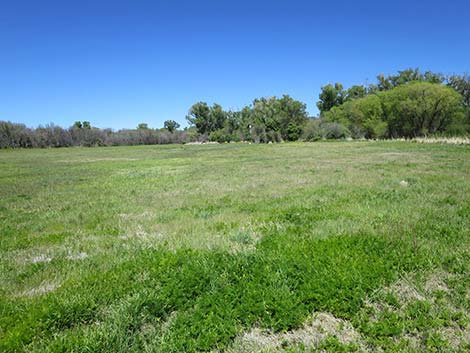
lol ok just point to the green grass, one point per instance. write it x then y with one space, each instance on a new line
186 248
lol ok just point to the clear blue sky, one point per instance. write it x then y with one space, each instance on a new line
117 63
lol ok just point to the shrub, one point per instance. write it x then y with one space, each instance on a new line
14 135
335 131
312 130
219 136
258 134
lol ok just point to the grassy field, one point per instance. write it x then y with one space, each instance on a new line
337 247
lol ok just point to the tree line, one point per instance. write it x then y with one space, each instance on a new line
13 135
408 104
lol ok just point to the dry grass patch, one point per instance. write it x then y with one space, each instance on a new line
44 288
445 140
422 312
318 328
41 259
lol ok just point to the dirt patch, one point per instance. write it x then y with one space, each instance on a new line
77 256
405 291
44 288
41 259
318 328
436 282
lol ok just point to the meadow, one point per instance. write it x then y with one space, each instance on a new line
293 247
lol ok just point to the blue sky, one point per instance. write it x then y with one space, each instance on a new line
119 63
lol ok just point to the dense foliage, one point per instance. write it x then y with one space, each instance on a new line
265 120
408 104
416 109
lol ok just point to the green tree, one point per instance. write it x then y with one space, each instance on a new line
206 119
433 77
330 96
277 118
199 117
233 121
362 117
461 83
413 109
292 117
420 108
142 126
217 117
355 92
384 83
171 125
407 76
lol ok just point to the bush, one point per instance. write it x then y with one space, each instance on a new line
219 136
293 131
363 117
15 135
19 136
335 131
258 134
273 136
312 130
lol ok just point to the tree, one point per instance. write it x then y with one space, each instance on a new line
433 77
233 121
142 126
420 108
199 116
14 135
384 83
206 119
407 76
410 110
362 117
86 125
292 117
330 96
275 119
461 83
355 92
52 136
171 125
217 117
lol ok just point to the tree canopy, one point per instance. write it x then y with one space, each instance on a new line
330 96
411 110
171 125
